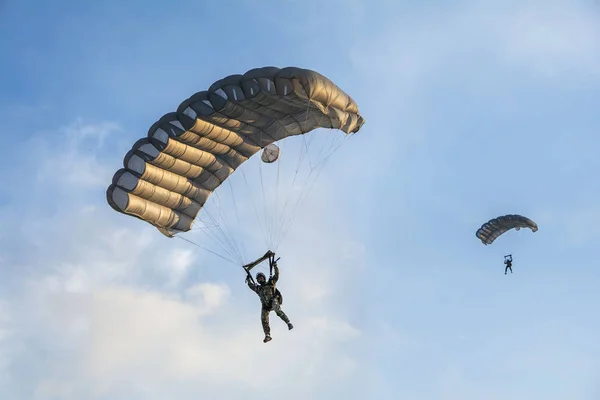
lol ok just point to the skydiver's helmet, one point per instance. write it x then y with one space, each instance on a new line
260 277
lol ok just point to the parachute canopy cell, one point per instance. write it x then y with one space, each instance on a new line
169 175
492 229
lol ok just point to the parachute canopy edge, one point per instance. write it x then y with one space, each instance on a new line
496 227
169 174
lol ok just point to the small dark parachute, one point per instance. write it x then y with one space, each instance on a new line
492 229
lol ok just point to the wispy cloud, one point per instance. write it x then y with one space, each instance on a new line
549 39
390 293
119 319
69 155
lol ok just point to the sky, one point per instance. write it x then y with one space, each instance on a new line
473 110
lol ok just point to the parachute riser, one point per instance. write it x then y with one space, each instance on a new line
250 278
272 261
268 255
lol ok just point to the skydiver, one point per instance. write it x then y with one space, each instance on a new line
508 262
270 300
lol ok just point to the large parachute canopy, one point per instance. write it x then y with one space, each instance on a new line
169 175
492 229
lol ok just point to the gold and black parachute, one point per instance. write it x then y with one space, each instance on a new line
169 175
492 229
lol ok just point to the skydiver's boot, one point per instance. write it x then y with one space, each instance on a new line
290 326
267 338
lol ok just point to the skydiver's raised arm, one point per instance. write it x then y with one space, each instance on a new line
275 276
251 285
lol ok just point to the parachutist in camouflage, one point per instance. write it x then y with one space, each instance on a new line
508 262
270 299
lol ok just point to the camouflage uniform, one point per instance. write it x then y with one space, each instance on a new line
267 294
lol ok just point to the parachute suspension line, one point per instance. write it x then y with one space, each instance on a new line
301 156
268 219
210 251
219 235
274 227
212 237
267 234
264 202
273 230
275 220
320 166
304 148
237 215
304 136
275 213
304 154
331 146
223 240
227 231
310 185
279 228
304 194
310 140
262 228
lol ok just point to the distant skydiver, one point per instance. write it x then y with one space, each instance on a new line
508 262
270 297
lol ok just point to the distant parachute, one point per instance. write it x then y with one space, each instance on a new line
492 229
169 175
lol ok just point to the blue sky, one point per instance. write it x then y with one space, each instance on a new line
473 110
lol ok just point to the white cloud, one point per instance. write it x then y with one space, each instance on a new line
6 334
116 306
177 265
546 38
208 296
341 330
134 337
105 307
551 38
69 155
